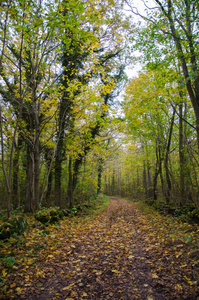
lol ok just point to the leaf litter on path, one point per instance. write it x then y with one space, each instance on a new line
122 253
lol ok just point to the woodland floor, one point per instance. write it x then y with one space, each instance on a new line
122 253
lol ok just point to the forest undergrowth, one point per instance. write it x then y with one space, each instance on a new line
122 252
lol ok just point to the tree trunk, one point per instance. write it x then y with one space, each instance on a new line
166 161
70 184
49 186
15 174
36 169
181 158
99 176
59 156
113 183
106 185
29 180
192 85
157 171
149 182
155 182
145 181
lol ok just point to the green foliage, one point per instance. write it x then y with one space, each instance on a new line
13 227
101 202
44 232
7 261
52 215
49 215
188 214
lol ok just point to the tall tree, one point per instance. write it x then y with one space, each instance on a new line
27 74
85 53
171 33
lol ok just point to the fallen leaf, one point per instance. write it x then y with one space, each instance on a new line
178 287
115 271
68 287
189 280
154 275
4 273
18 289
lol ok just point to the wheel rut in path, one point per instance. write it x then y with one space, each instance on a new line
109 257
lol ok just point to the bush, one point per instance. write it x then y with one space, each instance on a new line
7 261
14 226
187 214
194 215
49 215
66 212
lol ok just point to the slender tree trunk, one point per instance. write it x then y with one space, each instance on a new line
155 181
192 86
70 184
181 158
58 160
49 186
15 174
99 176
113 183
138 178
162 179
145 180
36 177
149 182
166 161
157 171
29 180
36 169
109 182
106 184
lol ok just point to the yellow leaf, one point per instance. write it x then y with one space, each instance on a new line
154 275
40 274
68 287
68 276
178 287
183 266
189 280
115 271
50 255
29 261
18 289
4 273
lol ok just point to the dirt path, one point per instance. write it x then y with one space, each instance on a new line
116 256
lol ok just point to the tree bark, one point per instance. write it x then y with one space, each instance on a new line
36 170
113 183
145 180
29 180
181 158
166 161
15 174
99 176
70 184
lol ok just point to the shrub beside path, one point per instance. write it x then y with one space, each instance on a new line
122 253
